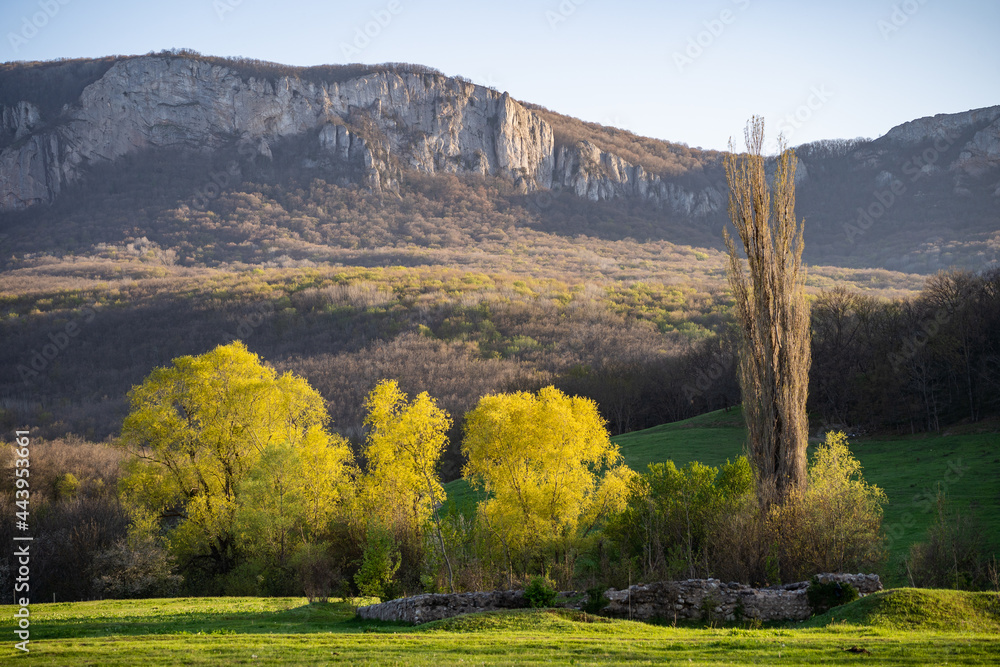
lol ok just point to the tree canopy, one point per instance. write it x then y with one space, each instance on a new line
548 466
213 430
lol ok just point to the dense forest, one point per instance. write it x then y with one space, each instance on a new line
466 288
648 353
880 365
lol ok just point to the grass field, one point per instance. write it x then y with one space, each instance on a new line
901 627
909 469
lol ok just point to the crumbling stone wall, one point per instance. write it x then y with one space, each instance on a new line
693 599
435 606
711 599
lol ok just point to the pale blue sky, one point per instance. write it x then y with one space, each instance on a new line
627 63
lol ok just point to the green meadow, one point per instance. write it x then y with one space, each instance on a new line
898 627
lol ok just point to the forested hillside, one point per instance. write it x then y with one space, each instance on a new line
461 279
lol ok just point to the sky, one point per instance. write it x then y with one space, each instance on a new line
691 72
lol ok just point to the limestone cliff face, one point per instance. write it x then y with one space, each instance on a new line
598 175
951 124
18 121
379 124
385 121
978 153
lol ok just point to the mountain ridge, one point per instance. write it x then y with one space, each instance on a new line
371 124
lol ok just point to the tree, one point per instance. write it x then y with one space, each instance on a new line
199 427
954 554
403 448
772 314
548 466
290 497
835 523
672 516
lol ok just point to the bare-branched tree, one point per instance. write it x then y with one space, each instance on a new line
772 314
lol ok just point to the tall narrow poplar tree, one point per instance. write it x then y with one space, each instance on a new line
772 313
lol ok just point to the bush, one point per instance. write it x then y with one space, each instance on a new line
539 593
672 524
702 521
835 524
953 555
316 571
66 486
138 570
244 580
379 564
826 595
596 600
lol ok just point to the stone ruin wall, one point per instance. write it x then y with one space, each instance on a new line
693 599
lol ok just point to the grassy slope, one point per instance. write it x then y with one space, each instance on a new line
243 631
909 469
918 609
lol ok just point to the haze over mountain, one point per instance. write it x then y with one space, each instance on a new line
922 197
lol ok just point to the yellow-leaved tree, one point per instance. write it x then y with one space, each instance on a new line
401 489
214 437
549 469
291 497
835 523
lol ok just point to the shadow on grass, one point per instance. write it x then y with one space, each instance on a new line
317 617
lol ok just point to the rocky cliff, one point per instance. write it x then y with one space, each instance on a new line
385 121
929 144
598 175
379 123
370 124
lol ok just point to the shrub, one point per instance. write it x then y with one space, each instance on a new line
379 564
140 569
826 595
952 556
539 593
316 571
673 518
596 600
66 486
835 524
244 580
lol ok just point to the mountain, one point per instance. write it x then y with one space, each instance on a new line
378 122
354 223
923 197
